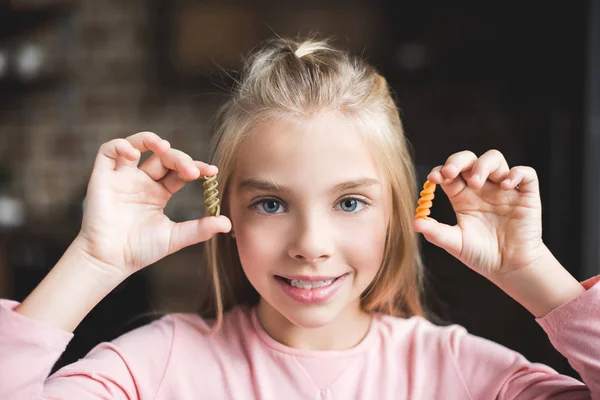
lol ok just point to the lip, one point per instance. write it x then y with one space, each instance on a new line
312 296
310 278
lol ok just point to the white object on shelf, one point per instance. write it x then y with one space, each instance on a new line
29 60
12 212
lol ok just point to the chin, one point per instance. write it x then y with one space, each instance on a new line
311 317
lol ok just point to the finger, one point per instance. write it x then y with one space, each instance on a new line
524 177
436 176
192 232
491 165
457 163
114 153
154 168
148 141
444 236
454 170
173 181
450 186
177 160
449 176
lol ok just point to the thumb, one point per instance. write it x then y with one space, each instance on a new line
199 230
444 236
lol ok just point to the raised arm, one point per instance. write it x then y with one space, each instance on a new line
124 229
499 235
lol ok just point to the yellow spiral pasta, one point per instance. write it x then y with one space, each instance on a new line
425 202
211 195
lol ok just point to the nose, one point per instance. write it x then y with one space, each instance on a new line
312 240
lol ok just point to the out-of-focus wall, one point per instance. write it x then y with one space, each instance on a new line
50 135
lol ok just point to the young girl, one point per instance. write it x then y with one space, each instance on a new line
317 271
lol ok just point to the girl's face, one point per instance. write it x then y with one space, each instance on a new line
309 212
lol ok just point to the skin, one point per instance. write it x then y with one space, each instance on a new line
307 229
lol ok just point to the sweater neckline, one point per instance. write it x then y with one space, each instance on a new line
321 354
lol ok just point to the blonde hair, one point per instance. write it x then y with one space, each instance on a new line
296 79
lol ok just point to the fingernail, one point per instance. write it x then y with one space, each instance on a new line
476 178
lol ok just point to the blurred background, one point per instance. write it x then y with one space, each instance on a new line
520 77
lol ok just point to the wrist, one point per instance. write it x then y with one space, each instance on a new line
541 286
81 249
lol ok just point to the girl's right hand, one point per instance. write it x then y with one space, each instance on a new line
124 227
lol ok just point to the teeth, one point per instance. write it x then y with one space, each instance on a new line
309 285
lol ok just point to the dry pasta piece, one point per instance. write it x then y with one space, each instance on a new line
211 195
425 202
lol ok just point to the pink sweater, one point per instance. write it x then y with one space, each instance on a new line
398 359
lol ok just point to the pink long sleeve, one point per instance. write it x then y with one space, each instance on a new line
130 367
398 359
573 329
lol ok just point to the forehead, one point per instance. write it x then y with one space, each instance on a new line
327 145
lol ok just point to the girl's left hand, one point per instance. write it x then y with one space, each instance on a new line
498 212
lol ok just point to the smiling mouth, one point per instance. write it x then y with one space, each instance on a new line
305 284
311 290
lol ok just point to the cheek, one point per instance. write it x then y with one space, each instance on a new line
253 243
364 246
259 248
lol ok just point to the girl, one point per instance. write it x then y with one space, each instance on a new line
316 287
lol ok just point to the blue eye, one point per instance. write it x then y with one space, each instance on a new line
351 204
274 206
268 206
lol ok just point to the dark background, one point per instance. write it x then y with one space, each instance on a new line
510 76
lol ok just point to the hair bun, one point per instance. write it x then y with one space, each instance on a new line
309 47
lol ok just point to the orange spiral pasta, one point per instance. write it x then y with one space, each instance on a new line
425 202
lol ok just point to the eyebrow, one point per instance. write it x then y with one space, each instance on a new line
252 184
